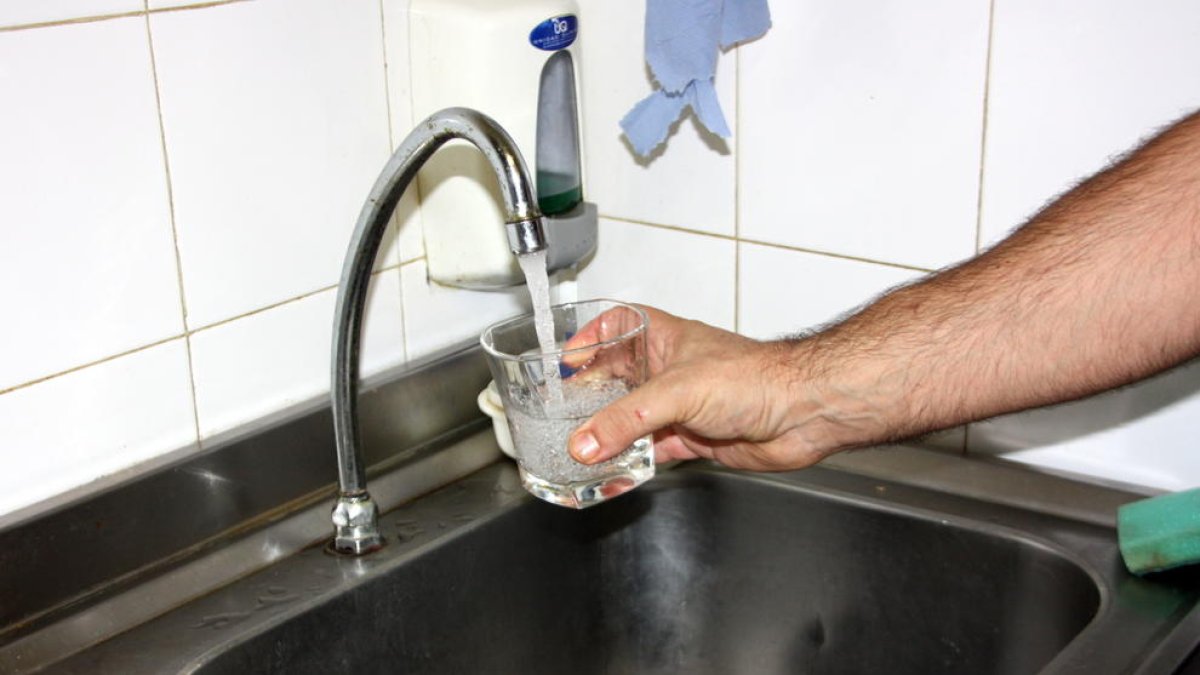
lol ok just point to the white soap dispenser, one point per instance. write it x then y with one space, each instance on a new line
517 62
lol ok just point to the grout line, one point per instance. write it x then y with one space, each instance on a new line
673 228
187 343
187 334
197 5
769 244
89 364
840 256
412 95
737 286
983 133
983 153
391 136
415 185
403 311
281 303
403 318
118 15
265 308
737 191
387 89
737 135
162 135
70 22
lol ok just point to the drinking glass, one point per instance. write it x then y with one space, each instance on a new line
599 355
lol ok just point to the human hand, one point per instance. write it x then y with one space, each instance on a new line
711 394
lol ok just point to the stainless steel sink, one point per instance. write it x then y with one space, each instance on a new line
896 560
703 570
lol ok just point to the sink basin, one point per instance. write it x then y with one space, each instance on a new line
702 570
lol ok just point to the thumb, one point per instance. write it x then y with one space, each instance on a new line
612 430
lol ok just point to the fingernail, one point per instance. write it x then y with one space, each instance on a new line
585 446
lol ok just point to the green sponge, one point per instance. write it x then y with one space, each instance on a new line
1161 532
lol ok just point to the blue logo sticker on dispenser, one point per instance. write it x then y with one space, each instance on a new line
556 33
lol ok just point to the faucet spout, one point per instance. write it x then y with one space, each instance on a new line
355 517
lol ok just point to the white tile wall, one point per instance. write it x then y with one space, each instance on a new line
784 292
436 316
1074 84
688 184
268 361
23 12
67 431
860 129
163 4
275 117
407 220
88 260
683 273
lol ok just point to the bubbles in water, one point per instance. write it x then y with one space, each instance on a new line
541 439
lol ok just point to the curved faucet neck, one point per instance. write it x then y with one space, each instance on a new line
356 515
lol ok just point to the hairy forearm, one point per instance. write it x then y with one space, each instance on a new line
1099 289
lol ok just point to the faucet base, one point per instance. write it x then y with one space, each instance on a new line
356 525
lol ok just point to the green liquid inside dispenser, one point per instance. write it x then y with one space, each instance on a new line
557 192
559 185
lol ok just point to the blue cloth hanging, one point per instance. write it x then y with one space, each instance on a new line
683 40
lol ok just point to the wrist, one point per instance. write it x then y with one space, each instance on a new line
839 398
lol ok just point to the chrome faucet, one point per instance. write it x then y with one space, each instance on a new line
356 516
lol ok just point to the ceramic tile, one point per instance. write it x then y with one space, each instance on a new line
688 274
688 184
395 30
410 242
70 430
437 316
266 362
163 4
1142 435
22 12
89 266
274 141
861 125
783 292
1075 84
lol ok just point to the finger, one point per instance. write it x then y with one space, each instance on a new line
641 412
620 361
607 326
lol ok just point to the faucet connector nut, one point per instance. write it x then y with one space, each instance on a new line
356 525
